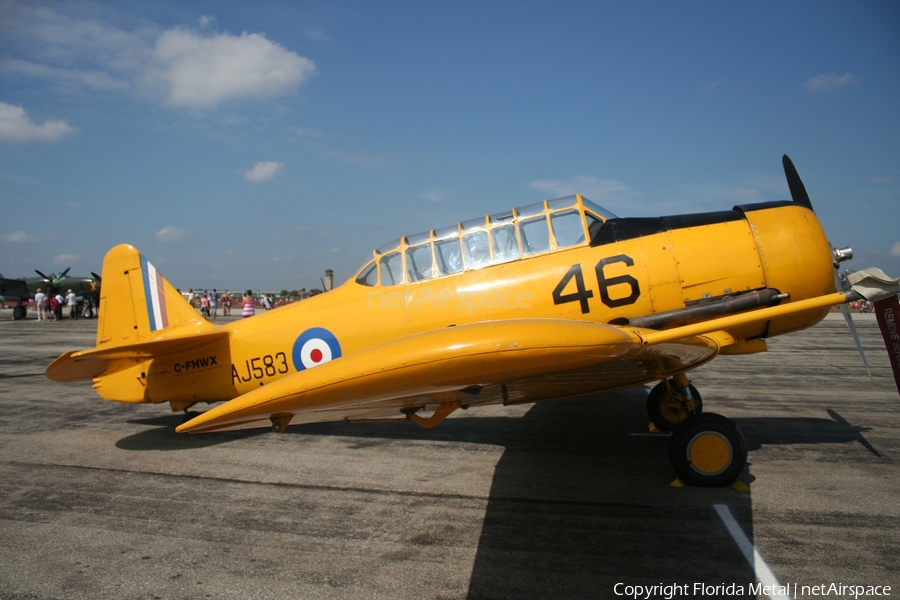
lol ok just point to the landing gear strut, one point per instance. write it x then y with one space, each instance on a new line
705 449
672 401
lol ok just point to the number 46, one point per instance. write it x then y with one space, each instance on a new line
581 293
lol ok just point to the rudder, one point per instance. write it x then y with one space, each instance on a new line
136 301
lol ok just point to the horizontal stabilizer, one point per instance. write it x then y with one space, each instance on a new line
82 365
142 316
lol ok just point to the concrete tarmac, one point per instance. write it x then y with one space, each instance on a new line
565 499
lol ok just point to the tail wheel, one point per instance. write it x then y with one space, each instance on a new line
667 408
708 450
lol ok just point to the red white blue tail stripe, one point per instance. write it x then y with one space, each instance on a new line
155 296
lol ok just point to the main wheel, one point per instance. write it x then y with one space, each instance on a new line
667 409
708 450
19 313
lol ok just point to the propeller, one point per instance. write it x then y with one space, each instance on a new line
795 184
800 196
54 278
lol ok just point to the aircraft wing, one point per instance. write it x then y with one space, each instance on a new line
14 289
513 361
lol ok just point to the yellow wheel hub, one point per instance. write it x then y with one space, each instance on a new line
673 411
709 453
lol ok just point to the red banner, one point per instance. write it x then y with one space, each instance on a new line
888 313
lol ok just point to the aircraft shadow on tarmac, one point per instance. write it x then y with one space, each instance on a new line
758 431
762 431
578 502
164 437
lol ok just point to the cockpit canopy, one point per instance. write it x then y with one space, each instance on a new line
538 228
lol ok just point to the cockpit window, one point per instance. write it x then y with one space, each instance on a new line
472 224
418 263
476 249
594 223
388 247
535 235
369 275
506 246
530 210
412 240
567 228
599 210
391 269
505 217
449 256
562 202
499 238
443 232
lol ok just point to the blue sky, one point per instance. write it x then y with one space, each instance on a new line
242 144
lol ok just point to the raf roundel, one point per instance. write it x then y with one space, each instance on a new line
314 347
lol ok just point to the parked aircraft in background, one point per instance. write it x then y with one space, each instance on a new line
17 292
553 300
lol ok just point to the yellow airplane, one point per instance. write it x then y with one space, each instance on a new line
556 299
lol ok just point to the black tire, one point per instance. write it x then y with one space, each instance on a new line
19 313
708 450
665 409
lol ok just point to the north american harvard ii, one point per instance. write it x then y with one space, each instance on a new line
552 300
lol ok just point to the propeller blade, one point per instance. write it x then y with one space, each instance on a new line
795 184
64 273
95 276
845 310
41 274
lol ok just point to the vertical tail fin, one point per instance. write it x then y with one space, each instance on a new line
137 303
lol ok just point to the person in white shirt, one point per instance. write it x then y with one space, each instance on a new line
70 302
39 303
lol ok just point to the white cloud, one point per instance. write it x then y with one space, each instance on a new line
895 250
66 259
16 126
433 195
74 48
171 234
200 72
263 171
830 81
69 79
19 237
318 35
